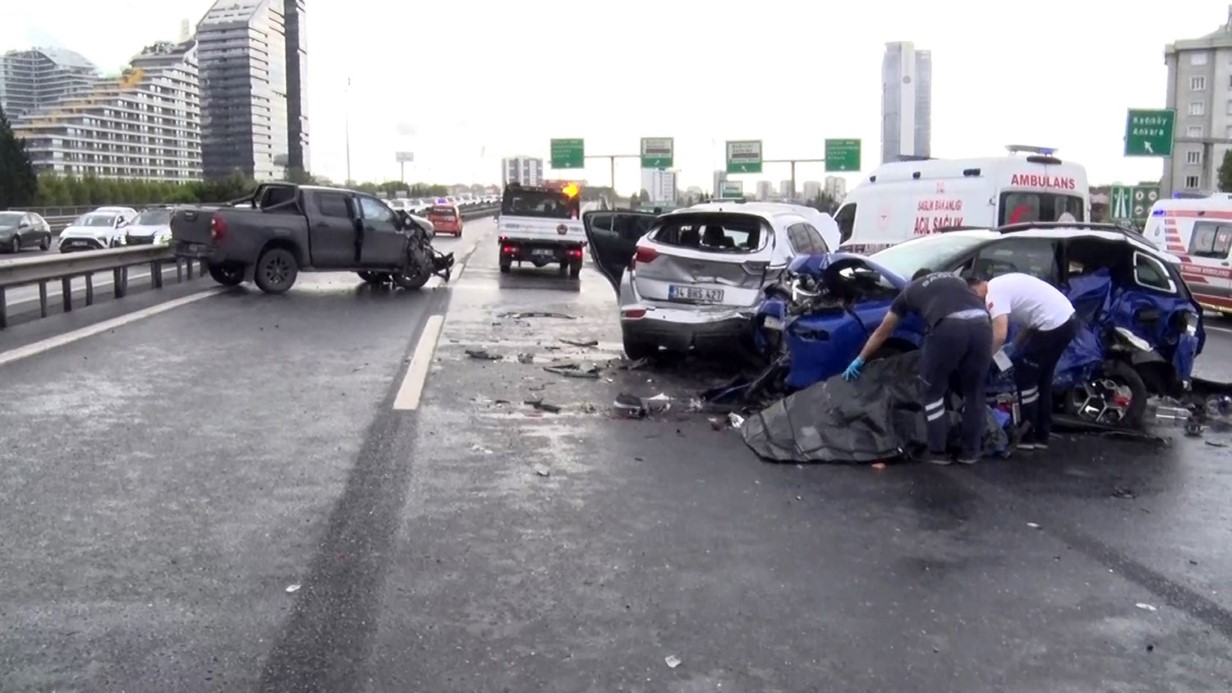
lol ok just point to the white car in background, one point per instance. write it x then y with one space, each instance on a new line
151 226
102 228
693 278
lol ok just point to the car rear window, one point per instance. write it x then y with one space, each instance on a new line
442 211
724 234
539 203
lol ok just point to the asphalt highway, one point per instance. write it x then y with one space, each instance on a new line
344 489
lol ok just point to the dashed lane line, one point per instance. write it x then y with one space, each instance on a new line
411 390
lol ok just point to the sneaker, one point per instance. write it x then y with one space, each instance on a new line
968 460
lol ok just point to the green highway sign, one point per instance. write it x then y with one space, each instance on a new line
744 156
842 155
731 188
1144 196
1120 202
568 153
657 152
1149 132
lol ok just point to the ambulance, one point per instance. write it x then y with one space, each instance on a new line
905 199
1199 233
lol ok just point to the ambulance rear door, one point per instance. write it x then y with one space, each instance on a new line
1041 188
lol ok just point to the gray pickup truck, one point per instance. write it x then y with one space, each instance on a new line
283 229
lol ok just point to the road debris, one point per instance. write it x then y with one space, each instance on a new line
1125 493
536 314
1033 525
879 465
480 449
629 405
735 420
482 355
293 588
1216 444
672 661
542 471
526 358
540 405
582 343
1145 607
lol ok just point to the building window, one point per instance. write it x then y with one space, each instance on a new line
1197 108
1227 132
1197 84
1194 158
1191 182
1198 58
1193 131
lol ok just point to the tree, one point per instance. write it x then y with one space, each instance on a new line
634 201
18 182
1225 172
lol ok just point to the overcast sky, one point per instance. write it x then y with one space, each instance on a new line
464 86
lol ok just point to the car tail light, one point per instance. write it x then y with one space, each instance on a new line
218 228
644 256
575 253
633 313
509 250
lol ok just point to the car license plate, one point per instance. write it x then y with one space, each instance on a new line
772 323
693 293
542 252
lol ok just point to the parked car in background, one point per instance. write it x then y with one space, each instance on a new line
694 277
96 230
151 226
446 218
21 230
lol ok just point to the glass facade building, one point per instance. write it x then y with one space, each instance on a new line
906 102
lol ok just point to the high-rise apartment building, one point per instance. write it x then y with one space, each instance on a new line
836 188
242 51
297 84
659 185
765 190
812 189
1200 91
906 102
143 125
523 170
39 77
720 176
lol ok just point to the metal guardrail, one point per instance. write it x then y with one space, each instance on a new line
66 267
43 269
59 223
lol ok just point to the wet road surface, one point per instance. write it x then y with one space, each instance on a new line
167 481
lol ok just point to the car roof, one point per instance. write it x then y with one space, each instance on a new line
1052 231
764 210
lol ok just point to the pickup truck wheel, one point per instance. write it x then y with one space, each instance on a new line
411 280
227 275
564 268
276 271
506 265
575 269
15 245
375 278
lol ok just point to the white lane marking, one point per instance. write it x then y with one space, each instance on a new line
411 390
1219 329
84 332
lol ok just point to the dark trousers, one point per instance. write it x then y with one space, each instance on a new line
958 349
1033 374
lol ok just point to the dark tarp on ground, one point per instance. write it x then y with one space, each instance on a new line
878 416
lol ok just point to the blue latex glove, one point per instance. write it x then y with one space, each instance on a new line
853 370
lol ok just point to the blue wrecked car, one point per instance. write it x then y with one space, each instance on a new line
1142 329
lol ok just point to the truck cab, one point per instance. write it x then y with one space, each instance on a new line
542 226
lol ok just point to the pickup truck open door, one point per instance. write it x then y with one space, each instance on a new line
383 243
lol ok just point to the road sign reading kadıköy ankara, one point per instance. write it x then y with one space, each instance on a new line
842 155
1149 132
657 152
744 156
1144 196
568 153
1120 202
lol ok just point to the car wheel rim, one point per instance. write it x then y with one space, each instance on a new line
1105 400
276 270
15 246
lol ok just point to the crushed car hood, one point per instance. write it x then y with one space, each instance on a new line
828 265
878 416
148 230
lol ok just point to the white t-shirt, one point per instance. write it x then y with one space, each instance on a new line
1030 302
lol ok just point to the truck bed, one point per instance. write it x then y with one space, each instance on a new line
541 230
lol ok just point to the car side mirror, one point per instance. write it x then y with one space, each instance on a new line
23 225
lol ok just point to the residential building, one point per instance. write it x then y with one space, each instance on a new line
39 78
242 50
297 84
812 189
720 176
523 170
835 188
765 190
145 124
659 185
786 190
1200 91
906 102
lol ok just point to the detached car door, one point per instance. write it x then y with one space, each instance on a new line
612 238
